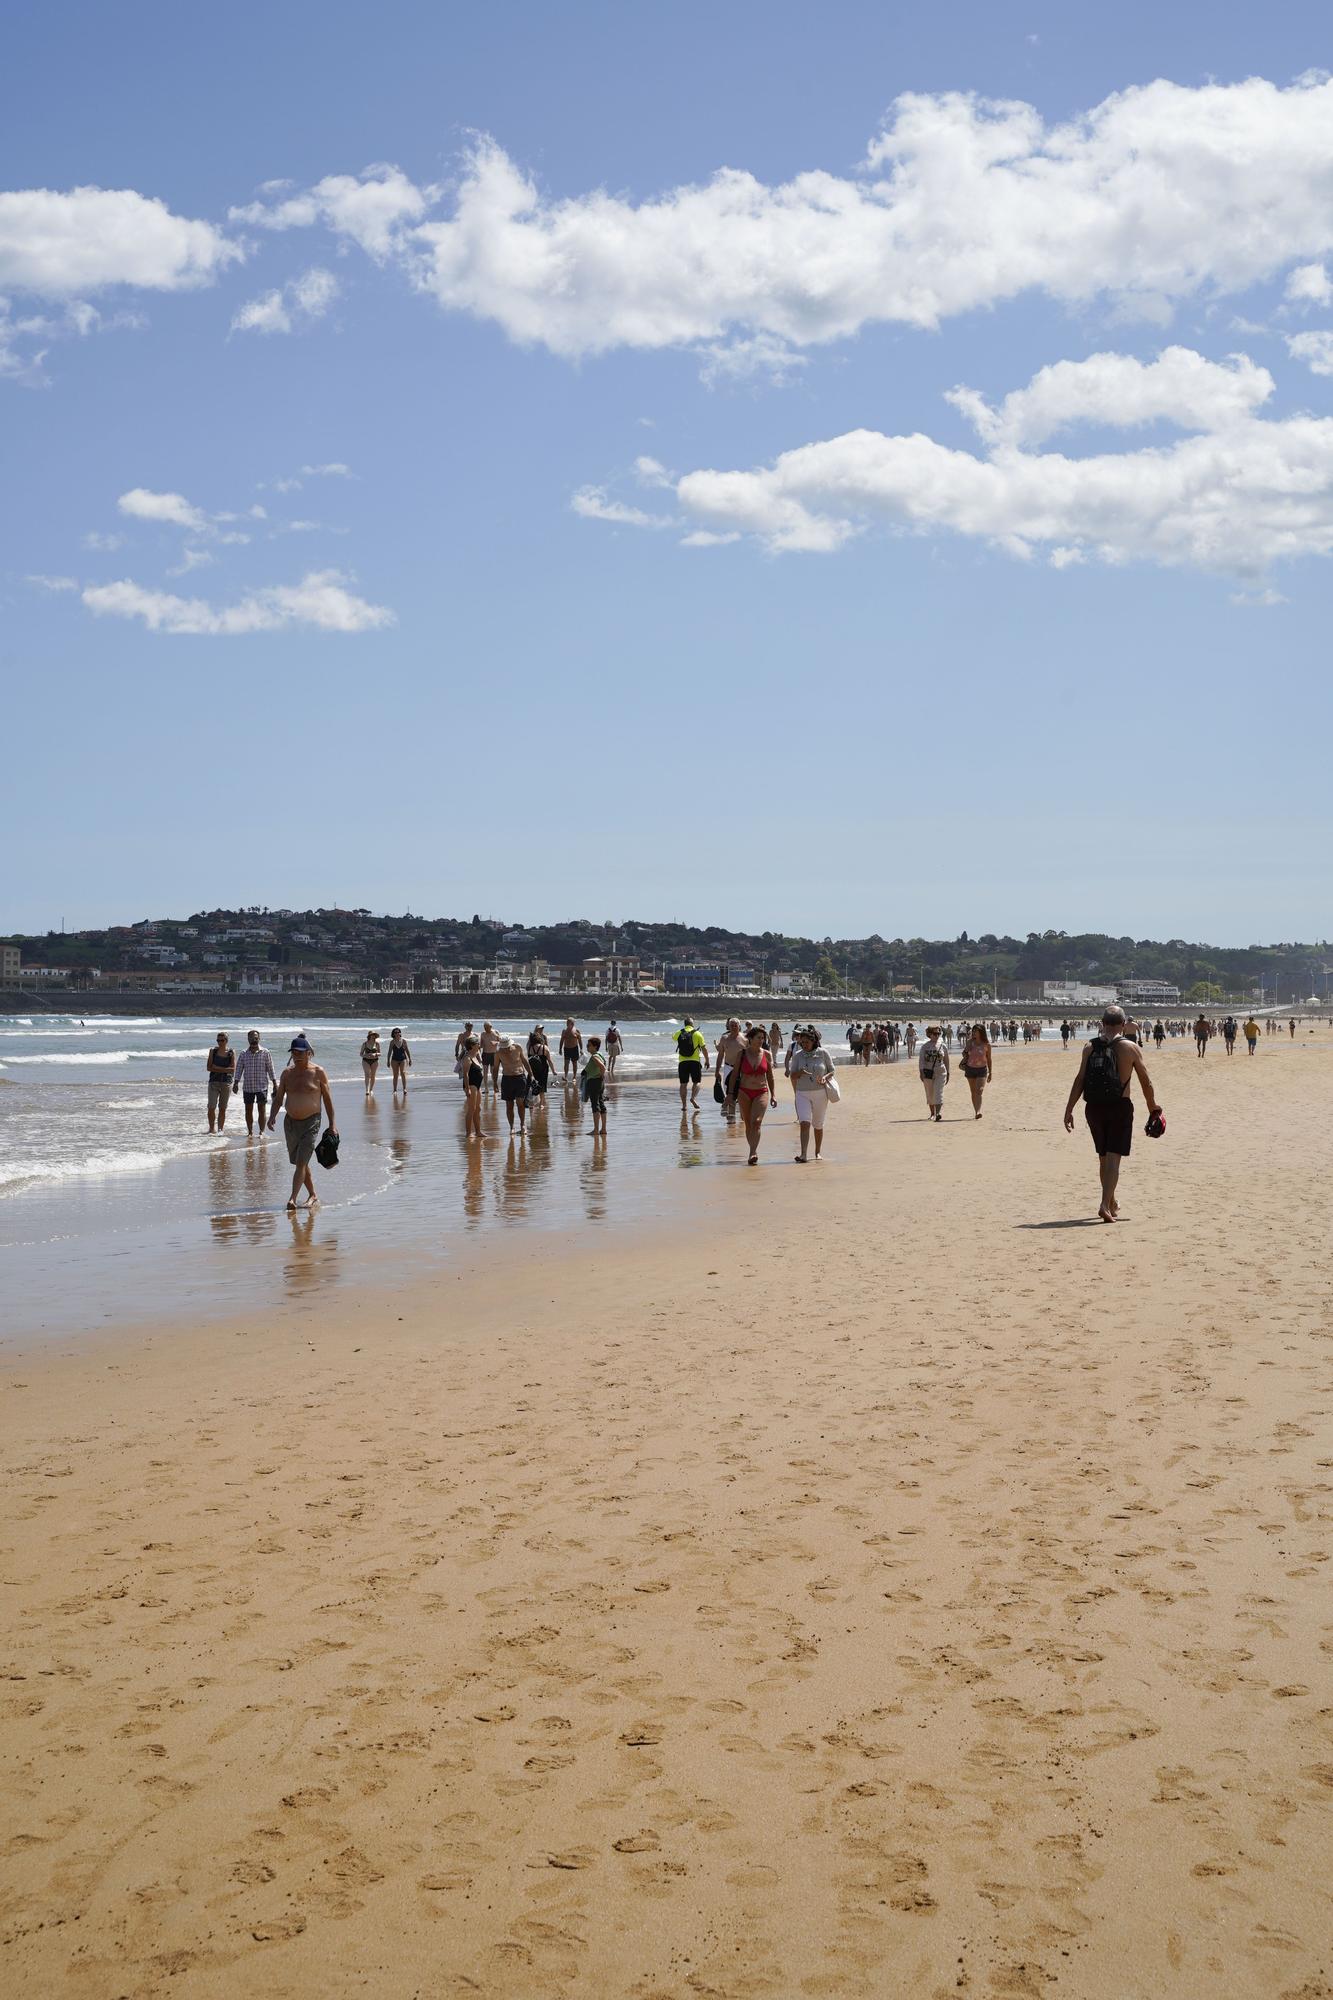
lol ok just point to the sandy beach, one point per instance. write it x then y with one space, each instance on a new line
869 1580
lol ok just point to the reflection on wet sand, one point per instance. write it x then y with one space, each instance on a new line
592 1180
311 1263
162 1246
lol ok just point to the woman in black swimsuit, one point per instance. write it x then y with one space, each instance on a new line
472 1076
540 1060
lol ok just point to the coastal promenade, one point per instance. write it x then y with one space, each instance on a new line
872 1581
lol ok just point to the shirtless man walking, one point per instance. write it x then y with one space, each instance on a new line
1109 1066
571 1049
515 1073
304 1086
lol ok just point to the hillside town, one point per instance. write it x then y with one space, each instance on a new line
259 951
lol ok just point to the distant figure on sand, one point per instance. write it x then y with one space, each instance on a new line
571 1048
1201 1033
221 1066
1252 1034
304 1088
977 1065
400 1060
1108 1067
255 1079
370 1059
614 1050
692 1059
933 1069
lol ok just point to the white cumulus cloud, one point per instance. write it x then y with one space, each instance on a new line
58 244
1180 387
1160 193
144 505
1241 494
1309 285
1315 349
593 504
299 303
371 208
320 600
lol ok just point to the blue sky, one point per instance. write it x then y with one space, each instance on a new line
564 632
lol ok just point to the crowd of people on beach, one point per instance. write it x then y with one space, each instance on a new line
744 1064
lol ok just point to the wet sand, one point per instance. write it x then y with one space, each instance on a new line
867 1580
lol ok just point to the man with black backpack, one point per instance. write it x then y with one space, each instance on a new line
691 1061
1110 1064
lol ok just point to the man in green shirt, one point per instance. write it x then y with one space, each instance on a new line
691 1061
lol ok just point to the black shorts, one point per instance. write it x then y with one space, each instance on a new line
259 1097
488 1059
1111 1126
512 1088
691 1072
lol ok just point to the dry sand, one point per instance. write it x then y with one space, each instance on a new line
851 1589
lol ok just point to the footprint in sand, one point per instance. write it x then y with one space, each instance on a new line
645 1842
274 1929
495 1715
571 1857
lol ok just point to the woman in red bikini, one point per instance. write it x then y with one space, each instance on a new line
755 1088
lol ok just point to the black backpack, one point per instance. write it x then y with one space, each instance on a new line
1101 1078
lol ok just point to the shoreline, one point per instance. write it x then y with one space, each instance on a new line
871 1582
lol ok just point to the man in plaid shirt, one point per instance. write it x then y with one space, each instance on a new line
254 1076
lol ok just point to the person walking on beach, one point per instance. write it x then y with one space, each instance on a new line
1109 1065
775 1041
464 1036
756 1088
304 1088
255 1079
1159 1034
400 1060
490 1042
692 1059
614 1050
1252 1034
1201 1033
515 1074
571 1048
977 1064
809 1068
933 1069
1229 1034
370 1059
595 1072
470 1070
221 1068
730 1047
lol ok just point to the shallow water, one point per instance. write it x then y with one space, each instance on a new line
116 1203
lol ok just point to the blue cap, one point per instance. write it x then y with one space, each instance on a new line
301 1046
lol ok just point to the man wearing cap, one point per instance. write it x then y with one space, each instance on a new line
304 1086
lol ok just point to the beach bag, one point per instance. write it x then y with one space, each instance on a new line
831 1090
1101 1079
326 1152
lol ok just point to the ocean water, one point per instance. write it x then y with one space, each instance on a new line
115 1201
